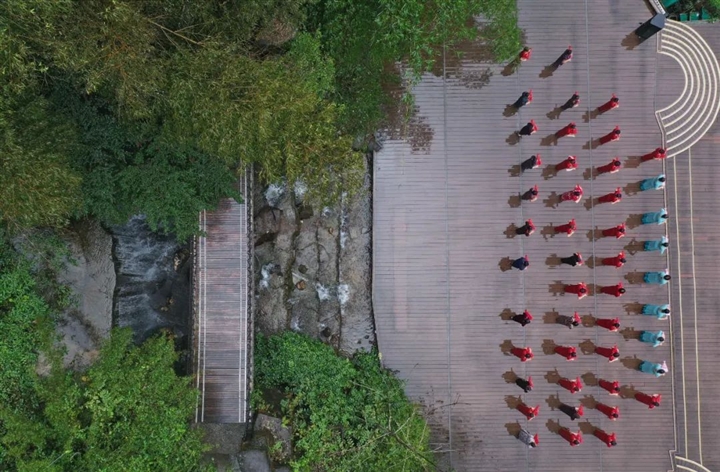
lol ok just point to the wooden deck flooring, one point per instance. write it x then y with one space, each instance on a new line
221 307
441 213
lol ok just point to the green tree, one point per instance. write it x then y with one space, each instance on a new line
129 411
37 185
346 414
271 112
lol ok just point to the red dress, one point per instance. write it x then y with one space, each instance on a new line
609 439
610 168
614 102
522 353
648 400
607 323
525 54
572 438
528 411
616 232
569 130
611 353
613 387
578 289
572 386
568 228
611 412
573 195
613 135
568 352
616 261
613 197
615 290
568 164
658 154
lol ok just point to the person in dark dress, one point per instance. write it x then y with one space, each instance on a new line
574 260
521 263
528 129
531 195
574 412
565 57
526 385
524 99
572 102
527 229
532 163
523 318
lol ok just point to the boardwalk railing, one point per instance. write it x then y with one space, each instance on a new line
221 310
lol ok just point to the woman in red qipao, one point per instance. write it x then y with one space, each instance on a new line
578 289
612 197
611 167
572 386
525 54
614 102
615 232
611 412
569 130
613 135
573 195
568 352
572 438
568 228
657 154
568 164
609 439
617 261
612 387
528 411
609 324
523 353
614 290
611 353
651 401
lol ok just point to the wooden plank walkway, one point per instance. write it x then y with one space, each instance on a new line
221 308
441 215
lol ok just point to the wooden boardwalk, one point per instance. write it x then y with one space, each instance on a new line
221 313
442 214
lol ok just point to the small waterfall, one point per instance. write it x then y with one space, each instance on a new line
153 281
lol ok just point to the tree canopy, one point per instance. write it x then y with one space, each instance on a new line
99 99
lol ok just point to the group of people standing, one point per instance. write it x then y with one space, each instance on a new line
580 289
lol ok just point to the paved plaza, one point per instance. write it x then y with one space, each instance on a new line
445 200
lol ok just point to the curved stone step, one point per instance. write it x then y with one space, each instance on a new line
687 465
685 121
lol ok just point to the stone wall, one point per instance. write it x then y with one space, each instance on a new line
313 266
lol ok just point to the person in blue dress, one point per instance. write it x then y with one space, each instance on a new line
658 370
521 263
657 245
656 338
655 183
655 217
660 312
658 278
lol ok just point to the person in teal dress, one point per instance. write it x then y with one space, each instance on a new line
658 370
655 217
655 183
660 312
658 278
657 245
656 338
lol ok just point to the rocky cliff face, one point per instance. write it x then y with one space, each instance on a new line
313 266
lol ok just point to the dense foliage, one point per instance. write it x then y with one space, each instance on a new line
110 107
129 411
346 414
